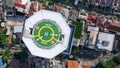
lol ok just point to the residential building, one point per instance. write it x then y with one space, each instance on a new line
65 11
83 15
71 64
35 7
57 8
9 7
85 64
73 14
22 5
113 26
91 19
101 21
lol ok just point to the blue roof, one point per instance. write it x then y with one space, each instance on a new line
68 50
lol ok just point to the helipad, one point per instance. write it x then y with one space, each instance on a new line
46 34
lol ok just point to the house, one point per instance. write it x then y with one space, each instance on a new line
116 3
71 64
100 21
83 15
35 7
105 41
57 8
113 26
91 19
73 14
9 7
65 12
85 64
22 5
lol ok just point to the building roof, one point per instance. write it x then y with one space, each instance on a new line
57 8
93 37
18 29
100 21
71 64
85 64
91 19
21 3
113 26
68 50
28 37
105 41
10 3
92 28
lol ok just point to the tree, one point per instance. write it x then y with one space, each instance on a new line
22 56
106 64
117 59
6 55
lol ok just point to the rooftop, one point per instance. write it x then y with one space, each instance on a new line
105 41
71 64
64 34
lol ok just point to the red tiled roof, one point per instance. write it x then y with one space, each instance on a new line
57 8
18 4
18 1
71 64
91 19
101 22
113 26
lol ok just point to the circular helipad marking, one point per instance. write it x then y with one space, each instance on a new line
46 33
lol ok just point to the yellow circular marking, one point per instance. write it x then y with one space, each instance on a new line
42 29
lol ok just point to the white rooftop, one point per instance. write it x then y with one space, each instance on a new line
92 28
105 41
24 1
18 29
57 49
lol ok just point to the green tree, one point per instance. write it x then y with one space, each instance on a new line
106 64
6 55
22 56
117 59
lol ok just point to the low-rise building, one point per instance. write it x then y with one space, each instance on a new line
105 41
22 5
71 64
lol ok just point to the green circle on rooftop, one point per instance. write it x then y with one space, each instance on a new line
46 34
